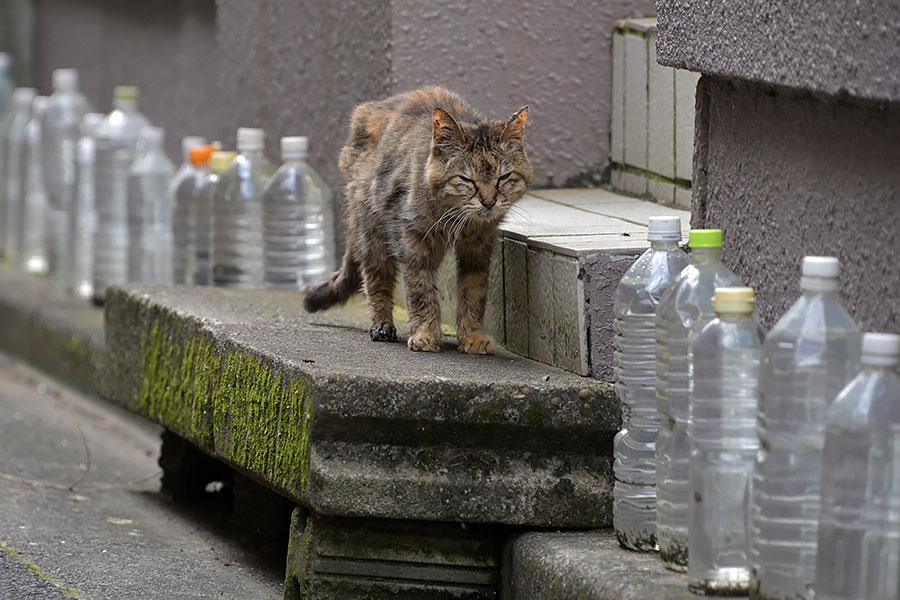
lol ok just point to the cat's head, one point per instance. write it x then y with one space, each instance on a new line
478 170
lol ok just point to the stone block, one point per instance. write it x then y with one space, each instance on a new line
635 101
569 335
660 115
683 198
515 293
617 177
662 192
617 118
494 312
541 305
634 183
685 92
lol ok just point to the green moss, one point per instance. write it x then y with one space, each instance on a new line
292 459
536 414
38 572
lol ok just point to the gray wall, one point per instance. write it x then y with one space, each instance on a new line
299 66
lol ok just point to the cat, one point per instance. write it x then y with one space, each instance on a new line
424 171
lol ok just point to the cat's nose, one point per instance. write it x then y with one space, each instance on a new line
489 202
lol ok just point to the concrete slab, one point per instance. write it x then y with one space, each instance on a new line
661 115
635 101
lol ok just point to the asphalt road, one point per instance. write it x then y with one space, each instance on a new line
81 515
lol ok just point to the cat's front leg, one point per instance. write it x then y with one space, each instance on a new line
422 301
473 261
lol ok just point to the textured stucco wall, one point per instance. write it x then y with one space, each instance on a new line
553 56
826 46
787 175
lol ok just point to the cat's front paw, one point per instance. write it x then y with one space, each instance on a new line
383 332
477 343
425 341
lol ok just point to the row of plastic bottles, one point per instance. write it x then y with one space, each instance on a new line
719 464
93 200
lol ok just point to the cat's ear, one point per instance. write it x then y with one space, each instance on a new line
446 129
514 128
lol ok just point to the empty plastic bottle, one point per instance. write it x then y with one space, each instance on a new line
150 238
181 192
15 172
298 221
637 298
33 210
807 358
79 258
859 526
685 308
204 197
65 109
21 103
116 145
6 84
237 215
722 431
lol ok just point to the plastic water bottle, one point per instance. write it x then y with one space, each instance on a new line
859 527
32 214
21 103
722 431
181 192
298 221
117 138
65 109
237 215
634 447
79 258
15 172
808 357
204 196
150 238
684 310
6 84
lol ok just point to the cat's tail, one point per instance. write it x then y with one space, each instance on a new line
334 289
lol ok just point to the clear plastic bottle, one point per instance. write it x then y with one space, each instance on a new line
204 197
150 239
65 109
181 192
6 84
79 257
859 526
298 221
21 103
237 215
116 145
808 357
722 430
684 310
15 172
33 210
637 298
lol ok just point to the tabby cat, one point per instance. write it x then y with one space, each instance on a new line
424 171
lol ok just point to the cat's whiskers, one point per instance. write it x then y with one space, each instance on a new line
449 214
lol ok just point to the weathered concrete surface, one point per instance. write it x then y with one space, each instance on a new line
787 175
827 46
313 409
335 559
57 333
587 566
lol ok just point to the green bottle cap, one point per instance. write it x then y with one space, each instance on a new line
705 238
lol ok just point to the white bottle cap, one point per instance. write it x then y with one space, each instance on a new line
295 146
65 80
5 61
90 122
39 105
820 274
249 138
150 133
23 96
188 142
882 349
664 228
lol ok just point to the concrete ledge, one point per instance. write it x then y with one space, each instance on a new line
55 332
588 566
344 426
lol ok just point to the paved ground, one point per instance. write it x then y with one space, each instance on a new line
71 525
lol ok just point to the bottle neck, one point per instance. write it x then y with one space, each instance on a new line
733 317
125 104
251 152
705 255
659 244
819 285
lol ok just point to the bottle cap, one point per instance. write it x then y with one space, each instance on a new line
880 349
296 146
90 122
200 155
126 92
220 160
149 133
23 96
705 238
734 300
65 80
188 142
664 228
249 138
820 273
39 104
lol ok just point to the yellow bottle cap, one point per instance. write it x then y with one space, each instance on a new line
734 300
220 160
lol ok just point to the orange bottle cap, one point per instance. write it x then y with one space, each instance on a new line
200 154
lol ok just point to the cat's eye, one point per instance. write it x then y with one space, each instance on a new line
467 180
504 177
